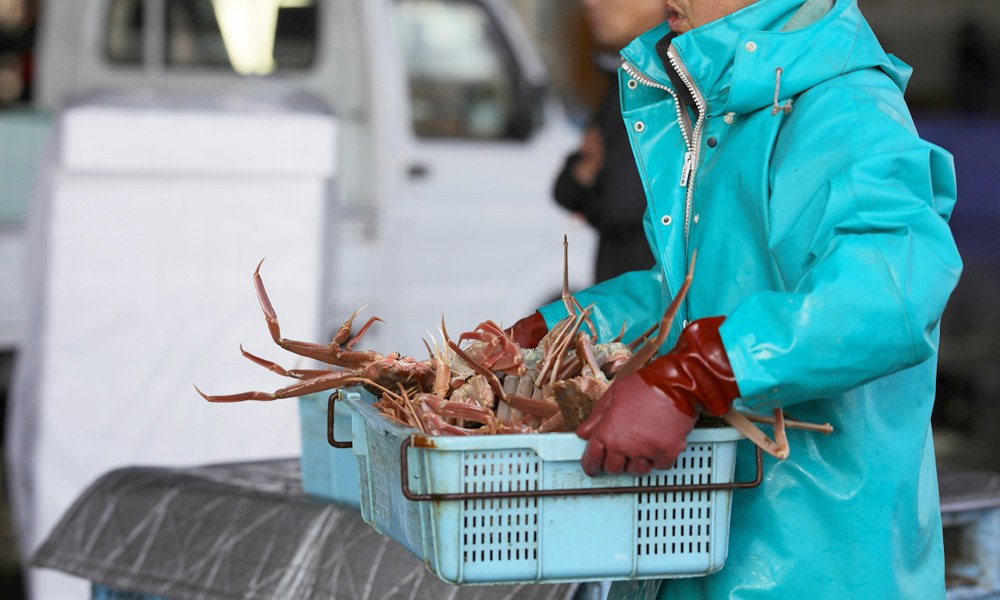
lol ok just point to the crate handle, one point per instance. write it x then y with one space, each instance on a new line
329 424
404 473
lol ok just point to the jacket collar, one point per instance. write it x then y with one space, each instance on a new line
732 78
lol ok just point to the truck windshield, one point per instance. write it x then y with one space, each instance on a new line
258 37
462 79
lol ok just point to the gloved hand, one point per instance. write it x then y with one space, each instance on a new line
529 331
642 421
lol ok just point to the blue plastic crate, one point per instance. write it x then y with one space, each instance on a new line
103 592
327 472
535 540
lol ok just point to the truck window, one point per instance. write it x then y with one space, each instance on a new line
249 38
462 79
123 41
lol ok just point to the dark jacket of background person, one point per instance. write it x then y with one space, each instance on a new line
614 205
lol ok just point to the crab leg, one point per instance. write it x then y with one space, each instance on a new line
509 348
331 354
642 338
476 413
586 318
648 349
441 426
621 334
328 381
276 368
537 408
402 401
494 350
754 434
779 429
553 423
442 373
354 340
563 346
585 353
790 423
478 368
560 345
566 297
572 306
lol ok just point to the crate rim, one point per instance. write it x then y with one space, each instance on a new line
548 446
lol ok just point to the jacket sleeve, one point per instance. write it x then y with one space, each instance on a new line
869 262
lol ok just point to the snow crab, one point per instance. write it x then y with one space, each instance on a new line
377 372
485 383
355 365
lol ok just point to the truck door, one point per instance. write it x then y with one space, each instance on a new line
475 231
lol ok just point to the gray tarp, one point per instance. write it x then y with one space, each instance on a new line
242 531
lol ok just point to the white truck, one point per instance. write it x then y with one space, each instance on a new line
444 144
448 138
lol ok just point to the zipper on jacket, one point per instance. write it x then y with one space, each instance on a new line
682 117
695 147
688 166
692 135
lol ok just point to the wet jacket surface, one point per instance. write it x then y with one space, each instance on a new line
821 234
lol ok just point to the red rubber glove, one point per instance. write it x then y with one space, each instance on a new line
642 422
529 331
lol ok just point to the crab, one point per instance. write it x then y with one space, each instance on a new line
357 366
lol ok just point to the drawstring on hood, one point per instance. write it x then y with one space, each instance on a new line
787 108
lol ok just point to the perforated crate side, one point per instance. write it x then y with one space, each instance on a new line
383 505
482 541
686 532
538 539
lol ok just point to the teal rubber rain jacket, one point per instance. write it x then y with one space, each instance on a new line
822 236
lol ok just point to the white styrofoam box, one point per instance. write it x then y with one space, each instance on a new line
151 140
144 288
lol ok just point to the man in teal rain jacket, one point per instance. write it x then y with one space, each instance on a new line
772 137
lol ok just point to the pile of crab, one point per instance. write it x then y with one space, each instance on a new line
485 383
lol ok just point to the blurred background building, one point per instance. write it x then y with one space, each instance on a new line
954 48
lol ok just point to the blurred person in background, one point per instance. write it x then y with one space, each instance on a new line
600 180
975 73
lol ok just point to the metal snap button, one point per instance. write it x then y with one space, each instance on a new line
696 219
751 47
728 118
666 220
640 126
632 84
712 142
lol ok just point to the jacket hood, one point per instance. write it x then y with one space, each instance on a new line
733 61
